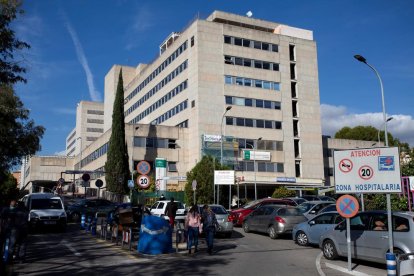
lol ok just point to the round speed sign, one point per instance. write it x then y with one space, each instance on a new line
143 181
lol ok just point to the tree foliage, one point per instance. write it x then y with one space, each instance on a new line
281 192
19 136
10 68
379 202
116 166
203 173
364 133
8 188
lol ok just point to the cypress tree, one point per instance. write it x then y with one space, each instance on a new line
116 166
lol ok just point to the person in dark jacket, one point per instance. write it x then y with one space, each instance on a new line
9 228
171 211
210 223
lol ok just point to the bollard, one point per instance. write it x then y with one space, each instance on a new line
83 222
391 264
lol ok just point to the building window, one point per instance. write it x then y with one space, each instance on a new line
192 41
192 104
172 166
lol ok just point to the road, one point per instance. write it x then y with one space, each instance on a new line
78 253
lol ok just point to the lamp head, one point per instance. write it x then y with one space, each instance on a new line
360 58
228 108
389 119
260 138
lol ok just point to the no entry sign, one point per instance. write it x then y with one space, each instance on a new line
347 206
370 170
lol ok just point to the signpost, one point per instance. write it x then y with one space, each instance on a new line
143 181
85 178
194 185
348 206
224 177
99 184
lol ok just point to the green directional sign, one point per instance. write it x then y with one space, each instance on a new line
160 163
246 155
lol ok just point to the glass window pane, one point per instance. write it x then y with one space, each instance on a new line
247 62
229 121
266 65
248 102
266 84
279 146
258 64
247 82
249 122
275 67
280 167
238 61
277 105
258 83
240 121
259 103
260 123
261 167
268 124
267 104
278 125
238 101
274 48
246 43
237 41
229 100
257 45
239 81
270 167
250 166
265 46
276 86
228 79
227 39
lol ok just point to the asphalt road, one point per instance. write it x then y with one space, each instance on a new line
77 253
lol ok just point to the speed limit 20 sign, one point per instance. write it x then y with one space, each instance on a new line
370 170
143 181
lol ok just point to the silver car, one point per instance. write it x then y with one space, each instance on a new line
369 236
222 216
310 231
311 208
273 220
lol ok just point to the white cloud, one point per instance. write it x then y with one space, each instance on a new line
60 153
93 93
336 117
142 21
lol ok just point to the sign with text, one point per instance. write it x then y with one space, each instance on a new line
256 155
224 178
370 170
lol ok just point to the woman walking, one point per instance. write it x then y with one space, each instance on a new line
192 225
209 226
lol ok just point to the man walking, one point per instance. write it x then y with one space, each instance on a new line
171 211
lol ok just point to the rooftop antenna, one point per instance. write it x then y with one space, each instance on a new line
249 14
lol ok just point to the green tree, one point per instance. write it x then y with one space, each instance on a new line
19 136
10 68
8 188
364 133
116 166
408 168
203 173
281 192
379 202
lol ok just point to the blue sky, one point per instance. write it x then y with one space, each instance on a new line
75 43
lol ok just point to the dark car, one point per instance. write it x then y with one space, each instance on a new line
238 215
273 220
89 207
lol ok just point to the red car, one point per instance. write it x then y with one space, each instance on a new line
238 215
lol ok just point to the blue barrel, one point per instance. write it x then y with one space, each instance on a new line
155 236
83 222
391 264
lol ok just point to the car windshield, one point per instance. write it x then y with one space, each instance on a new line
46 203
306 206
250 204
218 210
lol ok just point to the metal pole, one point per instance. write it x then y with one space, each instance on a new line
348 242
221 148
238 193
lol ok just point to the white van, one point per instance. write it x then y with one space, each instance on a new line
45 209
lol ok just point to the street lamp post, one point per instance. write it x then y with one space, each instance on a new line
221 145
379 130
254 147
384 115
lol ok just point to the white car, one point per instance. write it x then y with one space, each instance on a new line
158 209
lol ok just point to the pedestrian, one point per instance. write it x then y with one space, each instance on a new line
210 223
162 197
22 216
171 211
9 229
192 226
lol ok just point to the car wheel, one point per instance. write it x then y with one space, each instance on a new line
246 227
329 250
272 232
302 238
75 217
397 253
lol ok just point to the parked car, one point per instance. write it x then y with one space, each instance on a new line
223 219
369 236
89 207
317 198
158 209
273 219
309 232
328 208
238 215
45 209
296 200
311 208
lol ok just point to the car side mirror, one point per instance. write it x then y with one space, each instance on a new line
312 222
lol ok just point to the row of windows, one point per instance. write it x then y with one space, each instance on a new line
177 109
158 87
70 152
250 43
260 144
252 82
71 144
258 123
183 124
161 101
91 138
95 121
94 155
71 136
153 142
261 166
159 69
92 129
247 62
96 112
252 102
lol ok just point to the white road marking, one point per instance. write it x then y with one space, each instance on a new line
345 270
70 247
318 264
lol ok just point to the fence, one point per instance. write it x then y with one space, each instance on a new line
150 198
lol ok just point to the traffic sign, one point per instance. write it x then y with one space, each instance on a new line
130 183
143 181
86 177
347 206
99 183
143 167
369 170
194 185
